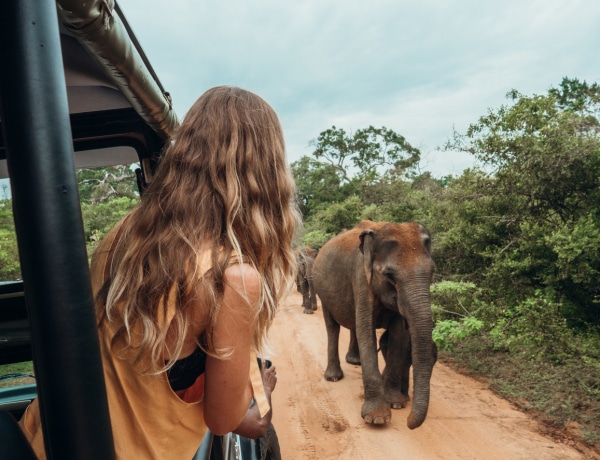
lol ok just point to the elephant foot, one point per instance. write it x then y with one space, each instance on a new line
397 400
377 417
333 375
380 420
401 404
314 307
353 359
307 311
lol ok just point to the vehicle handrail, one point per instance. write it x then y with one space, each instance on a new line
102 29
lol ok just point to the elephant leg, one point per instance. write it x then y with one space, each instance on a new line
353 355
375 409
395 347
313 294
334 372
384 345
306 297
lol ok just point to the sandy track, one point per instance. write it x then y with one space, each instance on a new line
316 419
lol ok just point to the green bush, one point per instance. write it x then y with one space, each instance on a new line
535 327
339 216
10 268
315 239
452 299
447 333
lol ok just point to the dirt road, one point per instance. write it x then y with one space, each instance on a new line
316 419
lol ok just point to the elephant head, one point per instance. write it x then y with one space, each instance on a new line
398 269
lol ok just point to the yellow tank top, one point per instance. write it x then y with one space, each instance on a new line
148 419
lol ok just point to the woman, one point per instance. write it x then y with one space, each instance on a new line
187 284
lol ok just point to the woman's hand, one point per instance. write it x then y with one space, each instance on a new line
253 426
269 378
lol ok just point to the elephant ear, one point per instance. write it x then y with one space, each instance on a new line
366 247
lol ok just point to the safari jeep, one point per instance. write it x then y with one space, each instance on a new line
76 91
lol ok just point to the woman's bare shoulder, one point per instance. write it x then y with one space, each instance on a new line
241 297
243 277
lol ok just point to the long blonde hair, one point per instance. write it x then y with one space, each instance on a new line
223 185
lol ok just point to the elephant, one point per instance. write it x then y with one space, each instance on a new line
377 276
305 258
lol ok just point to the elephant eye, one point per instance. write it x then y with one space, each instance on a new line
390 277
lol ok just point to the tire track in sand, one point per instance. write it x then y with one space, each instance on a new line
320 414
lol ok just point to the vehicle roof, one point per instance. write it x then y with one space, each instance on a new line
115 99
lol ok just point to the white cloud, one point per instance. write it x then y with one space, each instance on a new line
418 68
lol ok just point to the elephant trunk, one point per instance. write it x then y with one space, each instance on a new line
420 326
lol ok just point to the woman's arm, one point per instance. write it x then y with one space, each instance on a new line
227 394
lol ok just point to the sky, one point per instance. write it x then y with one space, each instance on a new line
423 69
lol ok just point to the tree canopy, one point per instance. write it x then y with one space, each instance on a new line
525 224
344 163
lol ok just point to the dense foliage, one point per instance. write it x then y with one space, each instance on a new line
106 194
9 253
524 226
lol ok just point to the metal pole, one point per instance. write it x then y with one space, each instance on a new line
37 134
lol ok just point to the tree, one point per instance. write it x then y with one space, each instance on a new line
544 149
371 152
104 184
340 216
543 195
317 184
348 164
99 218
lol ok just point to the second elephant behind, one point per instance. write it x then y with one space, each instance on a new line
377 275
305 258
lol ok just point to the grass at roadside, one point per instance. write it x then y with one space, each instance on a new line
564 396
16 374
